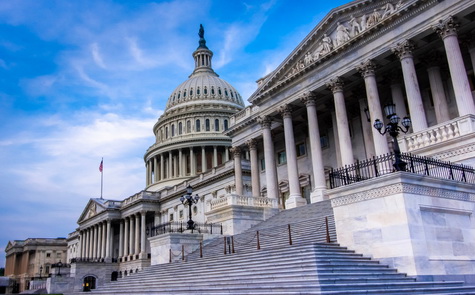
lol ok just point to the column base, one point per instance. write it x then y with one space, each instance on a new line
295 201
318 195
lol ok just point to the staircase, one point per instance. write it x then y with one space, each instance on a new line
297 263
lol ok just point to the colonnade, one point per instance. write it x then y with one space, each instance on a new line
132 237
96 241
378 145
184 162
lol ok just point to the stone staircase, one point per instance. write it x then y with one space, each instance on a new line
306 265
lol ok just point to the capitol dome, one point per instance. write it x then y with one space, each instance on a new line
189 134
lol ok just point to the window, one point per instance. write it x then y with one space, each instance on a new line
166 132
226 92
181 214
219 91
195 210
263 164
206 91
58 255
216 125
281 158
301 151
179 95
198 126
191 92
173 130
48 255
324 141
225 125
184 93
207 125
180 128
198 91
188 127
171 217
212 90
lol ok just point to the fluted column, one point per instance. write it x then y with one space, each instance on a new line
143 215
108 240
155 169
126 237
226 153
252 144
132 236
397 94
94 242
366 130
104 238
137 234
318 193
447 30
170 167
180 163
269 158
344 138
99 241
437 89
237 170
203 159
86 248
82 238
416 107
295 198
162 167
215 156
335 139
192 162
367 70
121 238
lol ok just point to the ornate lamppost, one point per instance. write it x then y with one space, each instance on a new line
59 265
41 271
393 129
189 200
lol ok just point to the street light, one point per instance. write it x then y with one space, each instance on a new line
59 265
189 200
41 270
393 129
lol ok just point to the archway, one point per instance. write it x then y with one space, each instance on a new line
89 283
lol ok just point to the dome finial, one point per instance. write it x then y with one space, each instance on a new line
201 34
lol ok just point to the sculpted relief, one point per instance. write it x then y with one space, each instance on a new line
344 32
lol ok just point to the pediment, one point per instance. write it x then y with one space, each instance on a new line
92 208
341 28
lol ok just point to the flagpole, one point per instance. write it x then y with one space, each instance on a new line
102 175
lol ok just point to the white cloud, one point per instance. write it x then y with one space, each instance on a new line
96 55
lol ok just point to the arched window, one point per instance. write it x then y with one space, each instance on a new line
179 95
219 91
226 92
207 125
166 132
225 125
184 93
191 92
198 126
216 125
173 130
212 90
180 128
205 91
198 91
232 95
188 126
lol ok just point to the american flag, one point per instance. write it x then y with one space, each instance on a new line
100 166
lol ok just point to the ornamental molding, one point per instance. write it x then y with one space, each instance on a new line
446 27
399 188
341 26
404 49
466 149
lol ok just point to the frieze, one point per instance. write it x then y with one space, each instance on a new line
401 188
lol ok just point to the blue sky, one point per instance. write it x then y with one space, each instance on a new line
81 80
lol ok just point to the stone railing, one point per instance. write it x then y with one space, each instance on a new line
437 134
237 200
140 195
245 113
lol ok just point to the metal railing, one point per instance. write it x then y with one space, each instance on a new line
377 166
180 227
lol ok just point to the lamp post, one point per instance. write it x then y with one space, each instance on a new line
41 271
189 200
393 129
59 265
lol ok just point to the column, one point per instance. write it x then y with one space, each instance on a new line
397 94
131 235
180 163
155 169
104 240
170 168
226 154
295 198
237 169
121 238
437 89
143 214
99 240
87 244
203 159
126 237
215 156
367 70
447 30
256 187
269 158
94 242
192 162
108 240
366 130
335 139
162 167
344 138
175 167
414 99
318 193
147 173
137 234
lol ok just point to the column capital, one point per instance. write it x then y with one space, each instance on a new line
404 49
252 143
308 98
236 151
286 111
446 27
335 84
367 68
265 122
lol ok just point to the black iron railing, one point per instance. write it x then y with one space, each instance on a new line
377 166
180 227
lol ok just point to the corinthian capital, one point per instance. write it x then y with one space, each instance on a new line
285 111
236 151
366 68
447 27
308 98
265 121
252 143
335 84
404 49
